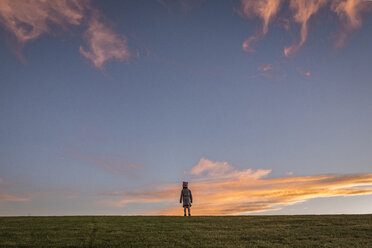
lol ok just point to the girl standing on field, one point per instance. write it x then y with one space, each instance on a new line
186 197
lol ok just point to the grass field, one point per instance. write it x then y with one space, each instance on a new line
138 231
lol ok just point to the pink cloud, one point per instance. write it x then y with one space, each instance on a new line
27 20
211 169
112 166
103 43
272 72
304 72
6 197
265 68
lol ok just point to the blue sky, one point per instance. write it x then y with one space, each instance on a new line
106 107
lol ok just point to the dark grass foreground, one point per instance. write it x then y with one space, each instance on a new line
249 231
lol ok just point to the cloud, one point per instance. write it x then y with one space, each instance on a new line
304 72
272 72
263 9
303 10
300 12
221 189
265 68
218 170
9 197
6 197
349 12
11 191
27 20
112 166
103 43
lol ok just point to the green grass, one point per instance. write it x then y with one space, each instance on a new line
138 231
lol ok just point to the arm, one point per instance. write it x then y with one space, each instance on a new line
190 196
181 197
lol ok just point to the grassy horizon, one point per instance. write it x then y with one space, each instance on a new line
194 231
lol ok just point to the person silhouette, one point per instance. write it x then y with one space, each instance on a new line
186 198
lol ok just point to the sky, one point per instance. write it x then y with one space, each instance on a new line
264 107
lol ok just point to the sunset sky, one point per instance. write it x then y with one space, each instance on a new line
264 106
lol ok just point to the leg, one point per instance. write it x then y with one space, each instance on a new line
184 211
189 211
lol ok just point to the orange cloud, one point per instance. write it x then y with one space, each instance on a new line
29 19
303 11
103 43
263 9
221 189
349 12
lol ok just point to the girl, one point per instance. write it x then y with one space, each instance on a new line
186 196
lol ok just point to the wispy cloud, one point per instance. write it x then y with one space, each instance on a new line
208 169
305 73
271 71
11 191
300 12
27 20
265 10
265 68
112 166
103 43
349 12
6 197
221 189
